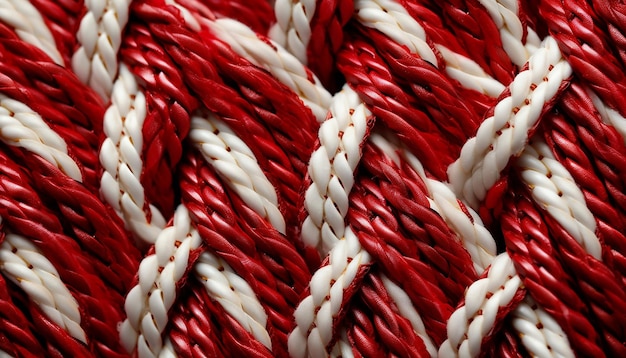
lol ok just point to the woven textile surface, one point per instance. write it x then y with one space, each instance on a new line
346 178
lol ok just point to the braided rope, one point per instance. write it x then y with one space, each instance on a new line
496 289
148 302
292 29
509 124
99 37
17 333
315 314
540 333
331 170
554 189
120 155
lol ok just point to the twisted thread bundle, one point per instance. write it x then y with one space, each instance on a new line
312 178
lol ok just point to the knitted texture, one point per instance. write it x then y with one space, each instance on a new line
357 178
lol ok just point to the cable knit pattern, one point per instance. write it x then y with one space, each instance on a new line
357 178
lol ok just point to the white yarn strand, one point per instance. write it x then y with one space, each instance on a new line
149 301
234 294
234 161
23 264
504 134
461 218
30 26
315 313
331 169
541 335
553 187
470 323
504 13
609 115
120 156
100 36
20 126
292 29
392 19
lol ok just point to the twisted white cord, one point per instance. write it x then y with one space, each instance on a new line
315 314
505 133
541 335
504 14
407 309
30 26
331 169
23 264
472 322
293 26
120 156
99 37
20 126
234 295
553 187
234 161
147 304
609 115
275 59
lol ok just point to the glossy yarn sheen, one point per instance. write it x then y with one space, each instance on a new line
317 178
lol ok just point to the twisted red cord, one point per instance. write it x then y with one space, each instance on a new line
25 214
169 105
613 14
376 327
472 26
595 156
536 259
505 343
266 260
392 218
70 108
327 37
202 328
403 91
63 19
585 46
